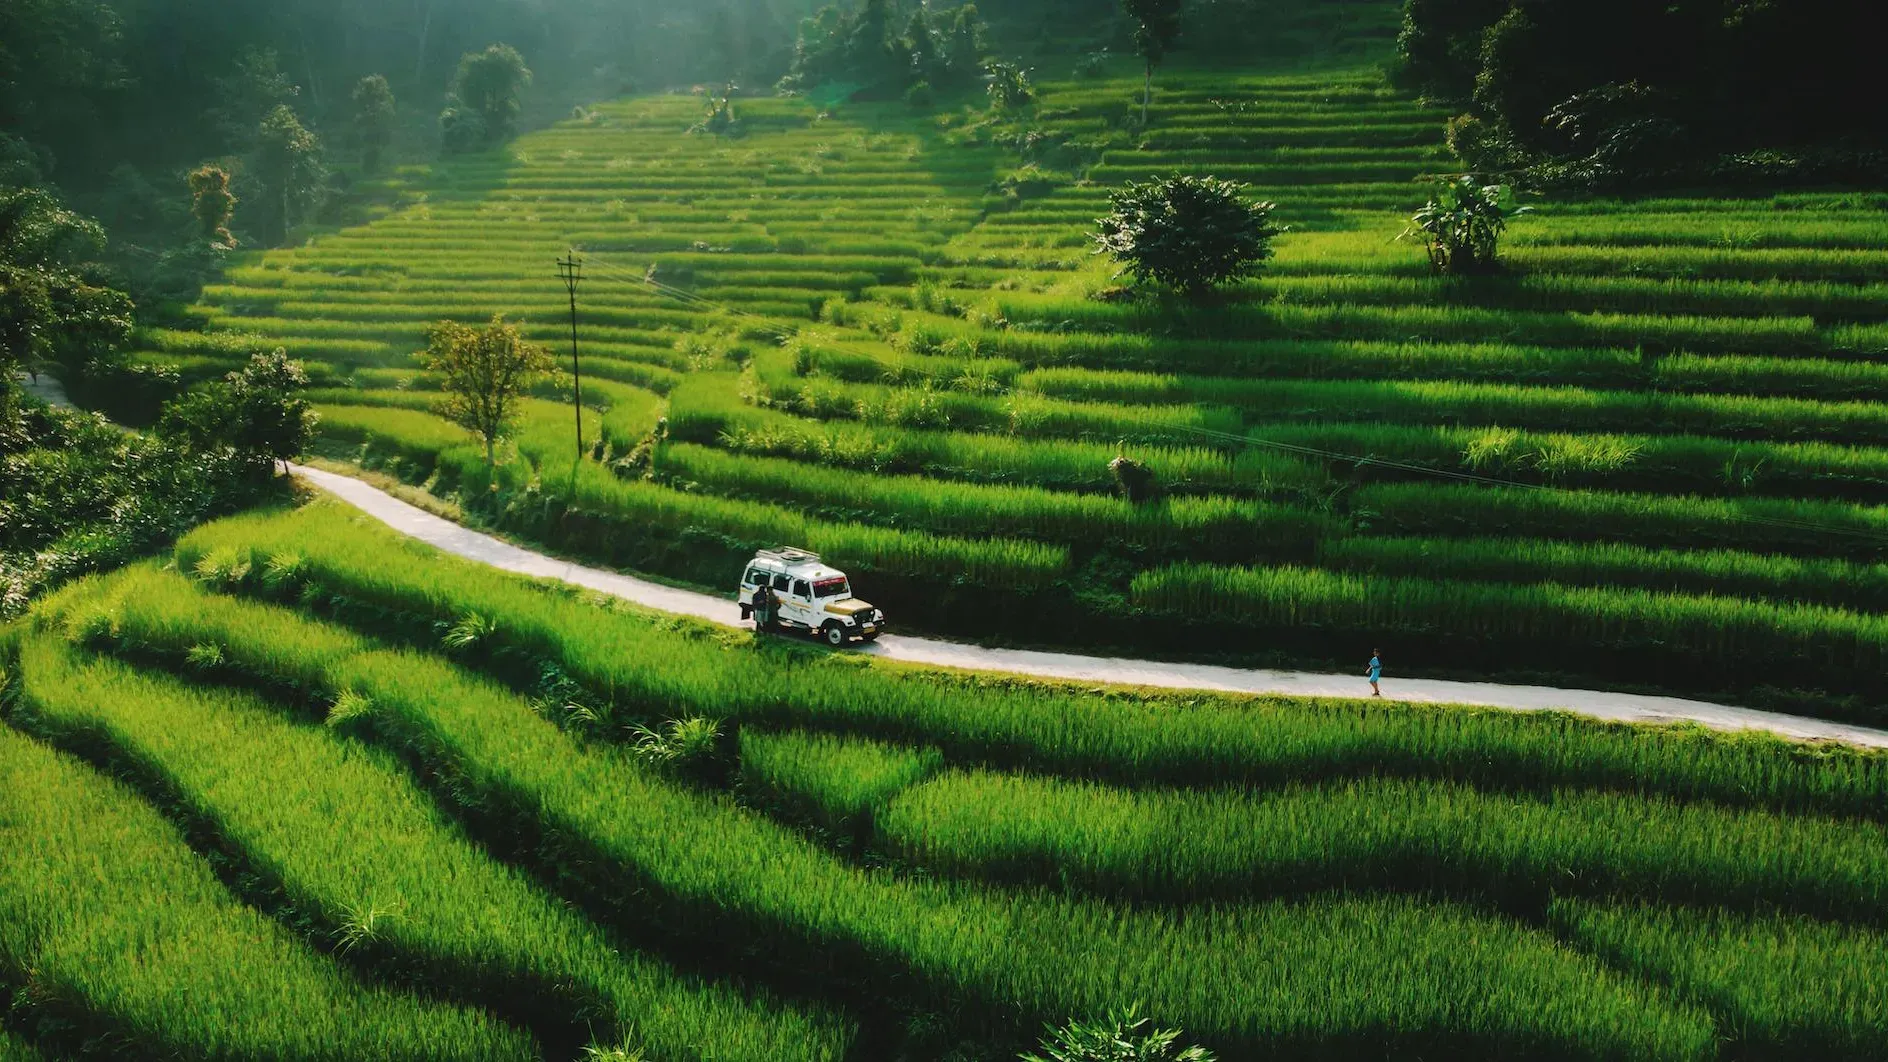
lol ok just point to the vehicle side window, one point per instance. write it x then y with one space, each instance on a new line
800 589
756 576
781 582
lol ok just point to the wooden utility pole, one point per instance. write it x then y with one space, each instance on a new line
570 270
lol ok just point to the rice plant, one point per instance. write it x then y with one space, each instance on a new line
1713 638
1013 952
1174 739
1182 847
355 847
114 925
1788 985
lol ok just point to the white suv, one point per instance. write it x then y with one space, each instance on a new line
813 597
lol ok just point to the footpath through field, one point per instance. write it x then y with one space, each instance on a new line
464 542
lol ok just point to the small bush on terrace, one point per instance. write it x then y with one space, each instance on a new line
1188 233
1462 223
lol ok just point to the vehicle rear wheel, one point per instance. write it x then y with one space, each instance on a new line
834 634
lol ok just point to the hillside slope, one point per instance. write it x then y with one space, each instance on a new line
1652 453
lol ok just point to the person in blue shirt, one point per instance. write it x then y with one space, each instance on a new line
1376 672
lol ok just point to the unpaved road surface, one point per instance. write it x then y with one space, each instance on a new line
463 542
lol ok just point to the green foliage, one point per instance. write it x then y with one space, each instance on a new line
255 415
1187 740
1189 233
288 163
679 745
1122 1036
857 48
1517 853
373 120
1712 640
1008 85
53 311
212 205
368 861
1700 373
720 119
1632 96
119 925
78 494
349 709
462 130
472 631
1156 26
484 373
53 53
1437 972
1462 224
247 96
835 782
483 101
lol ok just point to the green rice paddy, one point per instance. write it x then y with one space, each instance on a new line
398 788
843 333
304 789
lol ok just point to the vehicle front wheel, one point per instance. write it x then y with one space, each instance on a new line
835 635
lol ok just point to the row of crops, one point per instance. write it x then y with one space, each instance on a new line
1651 453
345 796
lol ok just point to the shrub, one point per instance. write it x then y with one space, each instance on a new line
1008 85
461 129
1462 223
256 414
1189 233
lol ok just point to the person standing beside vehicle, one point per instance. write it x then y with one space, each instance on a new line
764 606
1376 672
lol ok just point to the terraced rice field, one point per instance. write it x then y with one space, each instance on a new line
1654 453
363 793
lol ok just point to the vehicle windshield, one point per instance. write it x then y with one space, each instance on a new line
831 588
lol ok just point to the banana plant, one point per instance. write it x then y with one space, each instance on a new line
1462 224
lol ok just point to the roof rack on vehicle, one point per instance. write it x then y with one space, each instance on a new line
791 555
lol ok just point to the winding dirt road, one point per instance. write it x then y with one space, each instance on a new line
452 538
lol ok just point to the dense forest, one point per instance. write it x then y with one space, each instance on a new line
1617 93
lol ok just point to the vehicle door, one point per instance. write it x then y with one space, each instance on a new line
796 603
751 579
783 597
